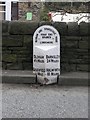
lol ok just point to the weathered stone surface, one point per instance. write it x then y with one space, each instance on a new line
82 67
45 23
66 67
79 61
61 27
73 38
9 57
5 26
0 56
4 65
17 49
85 38
28 41
6 52
69 44
73 29
22 53
69 53
21 28
84 29
14 66
27 66
12 40
83 44
20 57
89 29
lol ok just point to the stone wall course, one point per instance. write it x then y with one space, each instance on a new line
61 27
12 40
17 45
22 28
84 29
73 29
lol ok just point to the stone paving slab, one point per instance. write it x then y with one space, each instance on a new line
70 78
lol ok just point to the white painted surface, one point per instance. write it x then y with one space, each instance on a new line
46 54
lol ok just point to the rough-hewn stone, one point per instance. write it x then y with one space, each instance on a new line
12 40
27 66
84 29
61 27
21 28
45 23
83 44
82 67
5 27
73 29
17 46
15 66
9 57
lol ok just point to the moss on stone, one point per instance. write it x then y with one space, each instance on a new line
9 58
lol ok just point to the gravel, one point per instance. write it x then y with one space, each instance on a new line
52 101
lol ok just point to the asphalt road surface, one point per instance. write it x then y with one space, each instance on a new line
35 101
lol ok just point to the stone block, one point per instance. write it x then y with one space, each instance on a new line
83 54
61 27
82 67
83 29
12 40
88 29
83 44
21 52
79 61
20 57
73 38
9 57
16 48
24 57
14 66
6 51
27 66
69 53
69 44
66 67
28 41
4 66
0 56
21 28
45 23
82 51
5 26
85 38
73 29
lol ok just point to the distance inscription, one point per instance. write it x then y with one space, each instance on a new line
46 54
49 58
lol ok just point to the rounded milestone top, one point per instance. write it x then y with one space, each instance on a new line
46 35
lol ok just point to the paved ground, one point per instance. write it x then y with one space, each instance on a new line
34 101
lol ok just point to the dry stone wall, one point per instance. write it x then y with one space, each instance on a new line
17 45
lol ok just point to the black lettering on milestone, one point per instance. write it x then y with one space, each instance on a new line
56 40
50 30
40 30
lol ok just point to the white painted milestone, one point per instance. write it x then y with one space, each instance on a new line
46 54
